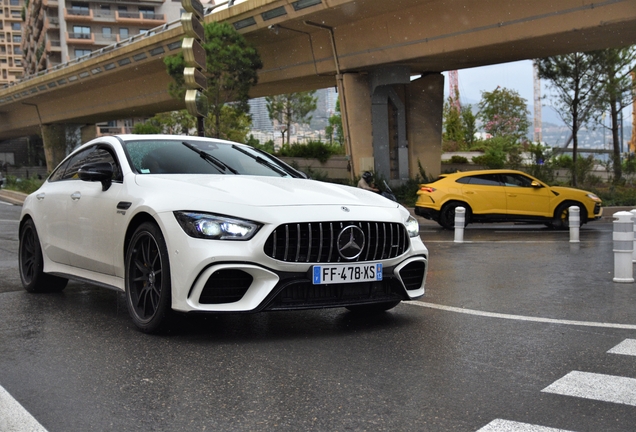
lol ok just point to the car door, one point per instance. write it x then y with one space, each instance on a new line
50 215
524 199
91 214
484 193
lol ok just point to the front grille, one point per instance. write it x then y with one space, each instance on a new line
316 242
225 286
302 294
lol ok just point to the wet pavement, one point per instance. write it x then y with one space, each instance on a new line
507 313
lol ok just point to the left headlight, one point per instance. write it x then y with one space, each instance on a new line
593 197
412 226
216 227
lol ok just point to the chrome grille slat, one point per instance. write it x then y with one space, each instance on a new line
316 242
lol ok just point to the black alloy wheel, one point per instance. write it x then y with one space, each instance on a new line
31 263
148 286
562 215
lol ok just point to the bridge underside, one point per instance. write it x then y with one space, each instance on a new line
357 41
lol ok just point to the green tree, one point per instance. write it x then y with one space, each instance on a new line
470 125
232 64
291 108
454 131
504 114
616 93
234 126
574 79
171 123
334 130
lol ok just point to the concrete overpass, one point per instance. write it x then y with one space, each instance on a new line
368 48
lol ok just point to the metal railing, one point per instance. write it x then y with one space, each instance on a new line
156 30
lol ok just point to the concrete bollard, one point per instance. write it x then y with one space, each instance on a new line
633 212
574 219
460 220
623 237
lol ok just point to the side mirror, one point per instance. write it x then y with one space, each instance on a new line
535 184
97 172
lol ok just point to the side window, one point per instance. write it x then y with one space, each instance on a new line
58 173
91 155
481 179
517 180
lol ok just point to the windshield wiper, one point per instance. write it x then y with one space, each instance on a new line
208 157
261 161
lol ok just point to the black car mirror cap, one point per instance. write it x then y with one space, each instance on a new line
97 172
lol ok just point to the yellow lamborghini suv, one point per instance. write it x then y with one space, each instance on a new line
503 196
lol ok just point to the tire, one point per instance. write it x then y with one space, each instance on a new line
147 278
447 214
31 263
562 215
373 308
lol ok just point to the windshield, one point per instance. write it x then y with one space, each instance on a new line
184 156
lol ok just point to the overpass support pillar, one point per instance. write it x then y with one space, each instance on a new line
54 141
88 133
394 124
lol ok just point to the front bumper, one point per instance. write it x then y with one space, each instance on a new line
237 287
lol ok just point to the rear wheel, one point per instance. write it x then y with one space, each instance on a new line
373 308
148 286
31 263
447 214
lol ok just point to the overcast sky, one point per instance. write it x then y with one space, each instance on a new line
515 76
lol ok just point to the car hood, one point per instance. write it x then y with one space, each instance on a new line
259 191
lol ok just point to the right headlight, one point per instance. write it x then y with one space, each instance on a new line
412 226
216 227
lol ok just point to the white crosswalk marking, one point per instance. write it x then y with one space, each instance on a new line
627 347
595 386
500 425
14 418
587 385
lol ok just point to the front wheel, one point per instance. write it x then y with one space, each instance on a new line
562 215
148 285
31 263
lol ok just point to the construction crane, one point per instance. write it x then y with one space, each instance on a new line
453 89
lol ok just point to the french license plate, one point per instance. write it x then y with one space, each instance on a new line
346 273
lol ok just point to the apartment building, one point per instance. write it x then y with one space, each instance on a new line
11 68
57 31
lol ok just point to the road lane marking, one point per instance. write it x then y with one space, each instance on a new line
499 425
599 387
520 317
13 416
627 347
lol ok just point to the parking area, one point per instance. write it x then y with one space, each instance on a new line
519 330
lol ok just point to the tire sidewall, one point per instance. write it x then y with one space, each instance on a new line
161 315
33 284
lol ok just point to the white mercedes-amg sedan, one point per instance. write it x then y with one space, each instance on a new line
189 224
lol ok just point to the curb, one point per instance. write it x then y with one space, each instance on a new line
13 197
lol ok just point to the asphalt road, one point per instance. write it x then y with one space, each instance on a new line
518 329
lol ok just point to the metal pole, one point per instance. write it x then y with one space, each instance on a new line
623 237
460 219
574 219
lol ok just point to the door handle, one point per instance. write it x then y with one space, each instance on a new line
469 192
40 196
512 195
75 196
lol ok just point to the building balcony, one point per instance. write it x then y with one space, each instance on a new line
140 18
80 38
103 15
78 15
53 46
50 3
